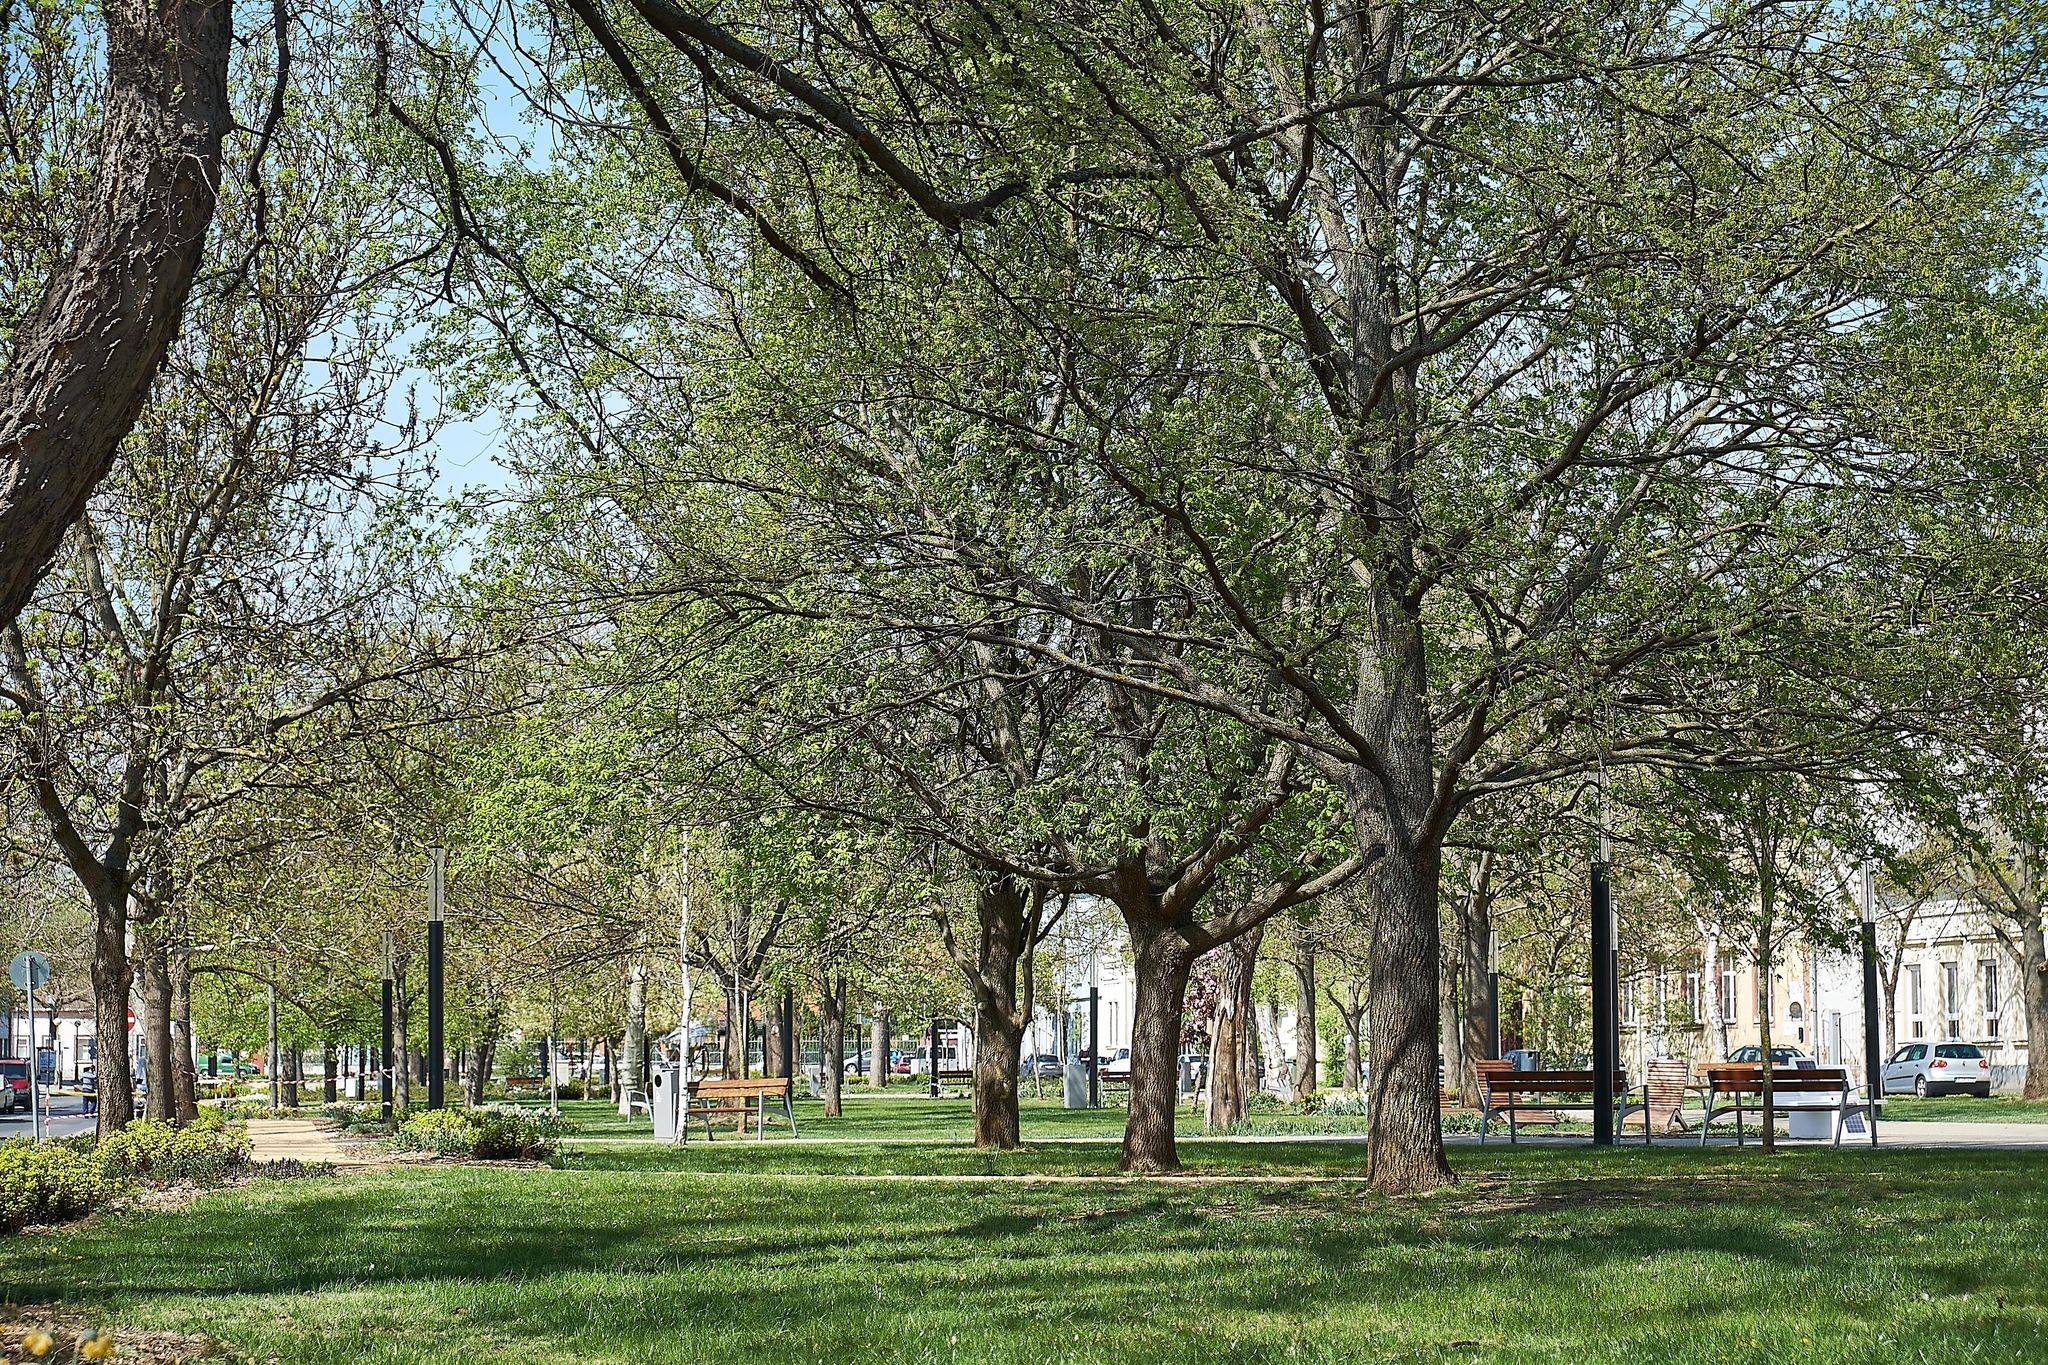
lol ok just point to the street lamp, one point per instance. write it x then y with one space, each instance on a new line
437 1066
384 1070
1872 1044
1606 1011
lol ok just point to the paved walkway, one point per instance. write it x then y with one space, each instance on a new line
310 1141
1897 1133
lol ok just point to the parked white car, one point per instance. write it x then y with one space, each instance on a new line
1937 1069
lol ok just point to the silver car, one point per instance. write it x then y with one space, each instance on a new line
1937 1069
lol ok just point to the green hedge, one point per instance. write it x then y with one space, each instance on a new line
152 1152
493 1132
48 1182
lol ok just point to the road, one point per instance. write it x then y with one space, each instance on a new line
67 1118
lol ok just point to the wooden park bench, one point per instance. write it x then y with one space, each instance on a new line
1538 1096
738 1098
1803 1088
515 1085
956 1075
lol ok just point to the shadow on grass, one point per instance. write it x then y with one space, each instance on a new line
1534 1252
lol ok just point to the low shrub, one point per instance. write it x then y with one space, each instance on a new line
48 1182
445 1131
152 1152
491 1131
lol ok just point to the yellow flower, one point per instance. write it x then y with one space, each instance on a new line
94 1345
38 1343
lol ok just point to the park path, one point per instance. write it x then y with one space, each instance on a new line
310 1141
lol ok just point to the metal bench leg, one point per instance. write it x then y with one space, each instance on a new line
1485 1117
789 1112
1514 1133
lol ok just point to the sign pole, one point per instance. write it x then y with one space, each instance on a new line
35 1074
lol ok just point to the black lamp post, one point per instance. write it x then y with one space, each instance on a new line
1606 1035
384 1070
1873 1045
437 1062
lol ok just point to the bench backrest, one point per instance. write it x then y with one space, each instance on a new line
1502 1077
772 1086
1665 1085
1748 1078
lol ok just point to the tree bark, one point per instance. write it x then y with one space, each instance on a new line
998 1036
1404 1144
1231 1077
878 1052
1306 1079
401 1037
82 365
1476 936
832 1042
1004 921
184 1065
480 1057
293 1072
328 1094
160 1101
636 1031
1162 965
112 978
2034 997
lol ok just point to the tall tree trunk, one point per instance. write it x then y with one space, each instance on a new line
112 978
481 1055
736 1031
328 1094
771 1038
2034 1000
1769 1130
401 1039
1162 964
1477 997
1404 1144
1450 1018
878 1051
159 1102
1354 1064
636 1031
1230 1054
1711 1013
1004 915
832 1041
81 367
293 1073
1306 1079
184 1064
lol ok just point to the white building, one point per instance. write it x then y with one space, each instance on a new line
1957 981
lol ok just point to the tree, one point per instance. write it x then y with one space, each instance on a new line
137 228
240 596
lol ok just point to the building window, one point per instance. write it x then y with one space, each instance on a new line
1952 997
1689 993
1989 968
1915 1001
1628 1003
1728 997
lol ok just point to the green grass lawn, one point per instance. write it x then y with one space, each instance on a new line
902 1116
1967 1109
642 1253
